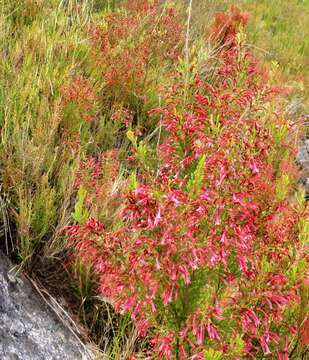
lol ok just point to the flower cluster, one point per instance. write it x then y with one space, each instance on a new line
131 42
208 257
226 26
80 93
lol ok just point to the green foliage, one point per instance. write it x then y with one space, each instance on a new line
80 214
212 354
133 183
43 210
304 231
196 178
238 346
282 187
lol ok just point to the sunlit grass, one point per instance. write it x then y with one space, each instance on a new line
279 32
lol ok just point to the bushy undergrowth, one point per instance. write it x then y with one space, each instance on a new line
208 255
37 161
161 140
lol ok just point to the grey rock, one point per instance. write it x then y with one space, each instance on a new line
303 154
302 159
29 330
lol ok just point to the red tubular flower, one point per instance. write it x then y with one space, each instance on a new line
211 243
212 331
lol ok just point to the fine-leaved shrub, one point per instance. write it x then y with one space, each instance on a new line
209 253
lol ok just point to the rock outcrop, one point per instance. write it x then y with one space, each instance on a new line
29 329
303 160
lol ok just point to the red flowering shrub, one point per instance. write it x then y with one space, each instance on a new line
209 255
130 44
132 51
79 92
226 26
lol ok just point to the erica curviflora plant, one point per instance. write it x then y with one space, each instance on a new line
209 257
133 48
130 52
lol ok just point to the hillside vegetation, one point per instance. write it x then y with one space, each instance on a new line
148 171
